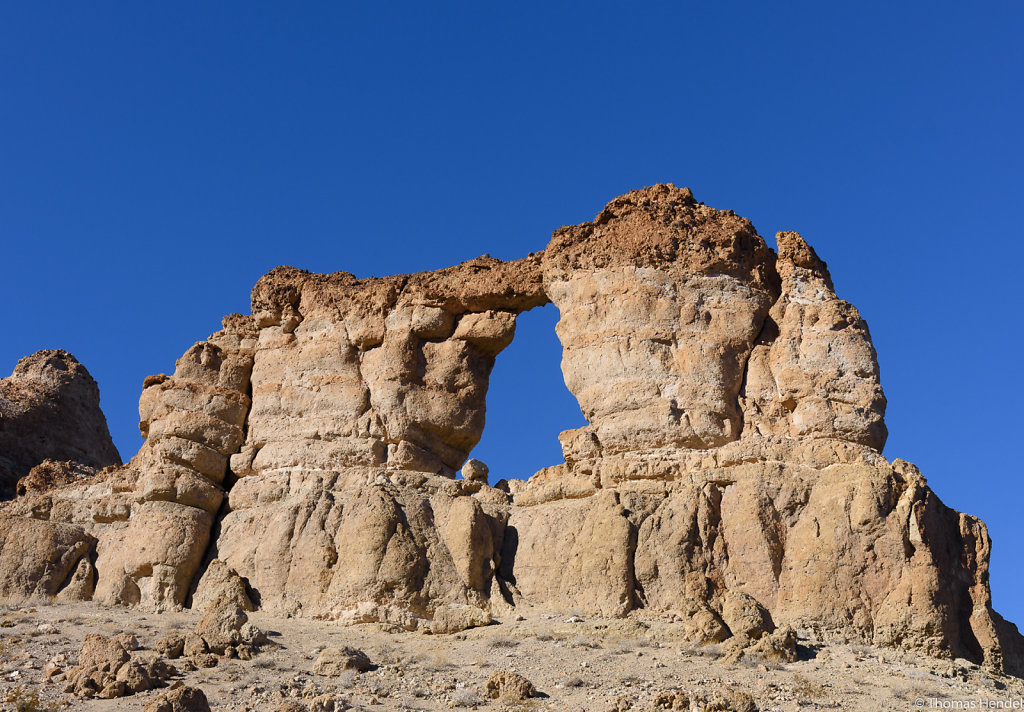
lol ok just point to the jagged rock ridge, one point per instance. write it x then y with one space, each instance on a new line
730 471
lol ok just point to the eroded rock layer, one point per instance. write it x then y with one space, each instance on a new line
150 521
304 459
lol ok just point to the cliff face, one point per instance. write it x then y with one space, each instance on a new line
730 471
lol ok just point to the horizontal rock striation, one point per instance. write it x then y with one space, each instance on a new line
150 521
304 459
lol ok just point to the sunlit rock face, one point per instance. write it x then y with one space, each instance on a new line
730 475
661 300
367 397
817 375
390 371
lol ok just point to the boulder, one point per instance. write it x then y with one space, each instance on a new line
332 662
745 616
171 647
779 646
107 654
181 699
475 471
223 626
454 617
106 670
220 580
510 686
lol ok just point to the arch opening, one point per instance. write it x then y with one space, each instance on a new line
528 403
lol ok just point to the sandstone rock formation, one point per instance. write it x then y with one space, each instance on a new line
304 459
367 397
50 410
44 559
149 522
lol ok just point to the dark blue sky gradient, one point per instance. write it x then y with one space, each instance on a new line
157 158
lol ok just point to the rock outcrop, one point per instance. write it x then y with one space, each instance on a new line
661 299
44 559
50 410
305 459
367 396
224 629
106 669
150 521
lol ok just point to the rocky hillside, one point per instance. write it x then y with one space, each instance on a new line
730 476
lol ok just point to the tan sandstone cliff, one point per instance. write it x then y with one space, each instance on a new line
730 471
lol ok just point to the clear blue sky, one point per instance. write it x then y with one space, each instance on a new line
157 158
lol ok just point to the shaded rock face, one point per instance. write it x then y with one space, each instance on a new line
50 410
304 459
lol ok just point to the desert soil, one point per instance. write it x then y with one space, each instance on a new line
576 664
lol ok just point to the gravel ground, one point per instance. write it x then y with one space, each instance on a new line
575 663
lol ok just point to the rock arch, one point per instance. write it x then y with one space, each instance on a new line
731 468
